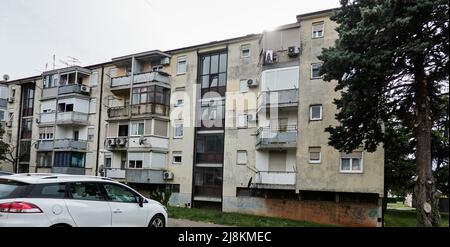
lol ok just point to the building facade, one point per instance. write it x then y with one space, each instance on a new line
236 124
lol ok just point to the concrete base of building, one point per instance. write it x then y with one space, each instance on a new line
323 212
180 200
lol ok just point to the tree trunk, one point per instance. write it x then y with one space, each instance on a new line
425 192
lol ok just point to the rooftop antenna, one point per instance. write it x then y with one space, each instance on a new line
73 60
54 57
46 66
5 77
64 62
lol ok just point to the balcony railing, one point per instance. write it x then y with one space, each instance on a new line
276 177
49 92
72 118
139 109
281 98
283 137
74 88
115 173
154 76
69 170
44 145
146 176
70 144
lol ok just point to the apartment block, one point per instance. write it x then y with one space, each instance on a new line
236 125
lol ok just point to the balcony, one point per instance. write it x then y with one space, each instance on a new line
44 145
115 173
154 76
69 170
267 178
49 92
145 176
276 138
70 144
72 118
279 99
74 88
138 110
47 118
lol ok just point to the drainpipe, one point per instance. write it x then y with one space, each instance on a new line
18 129
99 121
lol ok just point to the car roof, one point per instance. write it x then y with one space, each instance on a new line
38 178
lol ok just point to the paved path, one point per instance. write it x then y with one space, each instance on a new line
190 223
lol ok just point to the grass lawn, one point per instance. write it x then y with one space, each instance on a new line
407 218
233 219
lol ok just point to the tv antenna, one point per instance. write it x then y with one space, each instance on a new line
64 62
73 60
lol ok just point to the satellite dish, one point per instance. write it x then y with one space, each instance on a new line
5 77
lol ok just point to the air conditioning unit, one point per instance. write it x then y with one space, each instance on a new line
251 117
111 142
167 175
11 100
252 83
84 89
121 141
165 61
293 51
8 124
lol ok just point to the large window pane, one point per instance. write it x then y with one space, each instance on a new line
205 65
223 62
214 64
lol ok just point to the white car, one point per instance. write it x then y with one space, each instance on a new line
59 200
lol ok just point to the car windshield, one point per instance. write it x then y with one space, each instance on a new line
10 189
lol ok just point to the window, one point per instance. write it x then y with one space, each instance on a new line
317 29
315 69
151 94
242 121
245 50
315 112
136 129
86 191
314 155
160 128
54 190
135 164
113 72
177 157
44 159
213 113
93 106
241 157
45 133
181 65
157 68
213 72
280 79
108 161
351 163
2 115
179 102
69 159
91 134
63 107
94 78
118 193
178 131
243 87
26 128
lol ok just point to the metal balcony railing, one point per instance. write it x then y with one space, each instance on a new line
280 98
284 136
153 76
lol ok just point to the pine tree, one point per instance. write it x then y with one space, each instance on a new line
391 59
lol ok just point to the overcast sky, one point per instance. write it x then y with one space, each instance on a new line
95 31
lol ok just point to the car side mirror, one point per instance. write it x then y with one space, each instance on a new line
141 201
